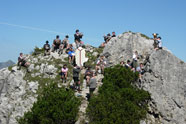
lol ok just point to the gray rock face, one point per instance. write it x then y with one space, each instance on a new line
165 77
122 47
16 95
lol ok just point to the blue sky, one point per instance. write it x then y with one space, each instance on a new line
44 19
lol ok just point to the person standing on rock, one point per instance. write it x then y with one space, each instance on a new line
159 43
77 38
64 73
155 40
76 72
135 61
46 48
88 75
93 84
56 44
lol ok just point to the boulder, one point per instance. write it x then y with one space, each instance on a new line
165 80
122 47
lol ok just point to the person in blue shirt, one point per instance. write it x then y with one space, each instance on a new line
71 55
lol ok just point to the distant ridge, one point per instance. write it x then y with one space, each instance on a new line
6 64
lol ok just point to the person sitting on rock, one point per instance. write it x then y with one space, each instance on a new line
106 39
22 62
56 44
71 56
64 73
122 63
93 84
128 64
69 47
113 34
135 61
64 45
77 38
140 69
65 42
88 75
100 65
76 72
46 47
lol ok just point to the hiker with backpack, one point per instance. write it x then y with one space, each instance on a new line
22 62
46 47
56 44
64 73
76 72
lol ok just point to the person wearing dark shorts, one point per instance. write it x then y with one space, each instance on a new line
76 71
56 44
64 73
22 62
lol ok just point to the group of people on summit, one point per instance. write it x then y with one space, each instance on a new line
134 65
107 38
59 46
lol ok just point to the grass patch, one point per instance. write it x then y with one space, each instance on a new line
10 67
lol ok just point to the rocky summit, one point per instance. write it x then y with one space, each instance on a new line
164 79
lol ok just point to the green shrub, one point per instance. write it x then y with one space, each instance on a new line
54 106
118 101
145 36
38 51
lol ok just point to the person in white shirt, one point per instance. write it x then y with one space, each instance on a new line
159 43
100 65
135 62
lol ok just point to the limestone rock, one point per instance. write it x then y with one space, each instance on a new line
16 96
122 47
165 79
